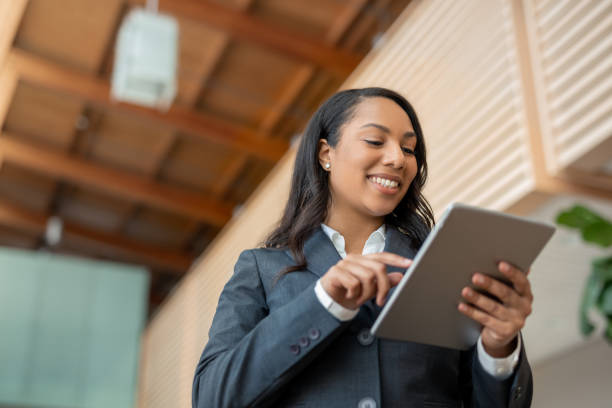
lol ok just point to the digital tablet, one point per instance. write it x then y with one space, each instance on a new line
423 306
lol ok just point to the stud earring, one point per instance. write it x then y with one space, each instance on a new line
327 165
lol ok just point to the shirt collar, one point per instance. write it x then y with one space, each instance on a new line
375 242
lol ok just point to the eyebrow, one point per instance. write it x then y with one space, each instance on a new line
385 129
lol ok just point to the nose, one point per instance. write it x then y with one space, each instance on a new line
394 156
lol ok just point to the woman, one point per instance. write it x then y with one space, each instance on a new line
292 324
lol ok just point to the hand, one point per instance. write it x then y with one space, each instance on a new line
357 278
501 320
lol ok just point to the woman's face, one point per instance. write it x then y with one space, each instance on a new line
373 163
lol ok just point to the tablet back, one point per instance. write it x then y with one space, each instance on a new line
423 307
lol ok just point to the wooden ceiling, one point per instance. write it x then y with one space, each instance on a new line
138 185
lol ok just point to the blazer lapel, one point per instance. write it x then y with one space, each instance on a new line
398 243
319 252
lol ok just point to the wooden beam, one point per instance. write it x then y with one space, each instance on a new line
11 12
50 75
122 184
253 29
115 246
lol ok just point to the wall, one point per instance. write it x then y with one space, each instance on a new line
70 330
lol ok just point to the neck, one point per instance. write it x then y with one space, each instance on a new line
354 229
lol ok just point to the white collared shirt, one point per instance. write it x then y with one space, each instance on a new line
500 368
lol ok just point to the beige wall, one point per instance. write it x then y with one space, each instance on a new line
468 67
176 336
579 378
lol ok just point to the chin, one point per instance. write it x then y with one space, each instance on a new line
381 211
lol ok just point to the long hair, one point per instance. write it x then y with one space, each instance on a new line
309 194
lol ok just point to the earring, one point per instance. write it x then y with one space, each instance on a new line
327 165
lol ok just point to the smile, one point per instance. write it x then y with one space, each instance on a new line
385 185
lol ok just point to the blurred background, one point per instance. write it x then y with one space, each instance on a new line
145 144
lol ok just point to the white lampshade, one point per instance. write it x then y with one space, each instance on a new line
146 56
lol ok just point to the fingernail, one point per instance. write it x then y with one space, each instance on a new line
407 261
504 267
479 278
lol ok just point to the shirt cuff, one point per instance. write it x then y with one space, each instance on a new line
500 368
337 310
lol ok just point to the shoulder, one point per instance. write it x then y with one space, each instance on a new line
264 257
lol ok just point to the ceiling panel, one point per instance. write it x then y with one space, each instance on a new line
160 228
43 116
25 188
74 32
200 48
92 209
233 94
310 17
11 237
129 143
196 165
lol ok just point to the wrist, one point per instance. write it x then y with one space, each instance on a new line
329 290
502 351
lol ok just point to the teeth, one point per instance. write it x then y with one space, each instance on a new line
385 182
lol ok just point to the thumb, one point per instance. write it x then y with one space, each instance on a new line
395 278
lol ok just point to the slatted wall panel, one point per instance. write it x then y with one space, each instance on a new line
175 338
456 62
161 355
571 49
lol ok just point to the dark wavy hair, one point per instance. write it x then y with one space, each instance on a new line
309 195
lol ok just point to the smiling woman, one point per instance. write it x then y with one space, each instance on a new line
292 324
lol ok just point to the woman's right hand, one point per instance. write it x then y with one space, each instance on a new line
357 278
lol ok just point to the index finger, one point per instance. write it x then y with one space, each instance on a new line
390 259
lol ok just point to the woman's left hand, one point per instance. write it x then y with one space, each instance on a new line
501 321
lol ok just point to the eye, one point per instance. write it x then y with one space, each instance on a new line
374 142
409 151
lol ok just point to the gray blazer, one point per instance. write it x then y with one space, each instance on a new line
277 346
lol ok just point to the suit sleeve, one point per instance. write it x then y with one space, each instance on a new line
481 389
252 351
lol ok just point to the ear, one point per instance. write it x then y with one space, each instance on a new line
325 151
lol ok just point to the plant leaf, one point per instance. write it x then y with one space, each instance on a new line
578 217
602 267
599 232
589 300
605 303
608 332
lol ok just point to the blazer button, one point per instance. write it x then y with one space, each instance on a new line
367 403
304 342
295 349
518 392
314 334
365 338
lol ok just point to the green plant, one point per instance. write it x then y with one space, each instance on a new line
598 290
